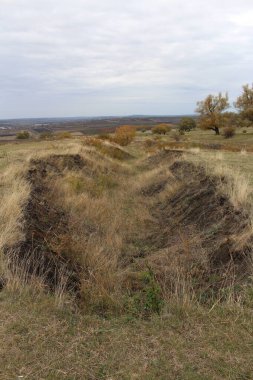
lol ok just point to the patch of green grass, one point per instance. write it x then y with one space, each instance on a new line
148 299
77 183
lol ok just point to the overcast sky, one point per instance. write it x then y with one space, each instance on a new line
121 57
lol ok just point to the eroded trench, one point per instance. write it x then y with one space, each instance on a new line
195 220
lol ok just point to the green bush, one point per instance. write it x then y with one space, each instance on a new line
161 129
187 124
23 135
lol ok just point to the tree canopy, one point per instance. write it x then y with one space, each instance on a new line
211 111
187 124
244 103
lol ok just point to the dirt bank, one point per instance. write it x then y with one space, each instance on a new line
46 225
194 229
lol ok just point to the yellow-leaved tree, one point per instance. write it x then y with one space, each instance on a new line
211 110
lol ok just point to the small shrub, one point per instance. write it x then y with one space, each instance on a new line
124 135
63 135
244 131
161 129
228 132
23 135
187 124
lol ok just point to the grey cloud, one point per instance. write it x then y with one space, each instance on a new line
92 57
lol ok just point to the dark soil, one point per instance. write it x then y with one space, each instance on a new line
194 220
46 225
199 204
163 156
154 188
197 220
116 152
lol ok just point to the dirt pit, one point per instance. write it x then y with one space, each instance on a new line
197 231
194 229
46 225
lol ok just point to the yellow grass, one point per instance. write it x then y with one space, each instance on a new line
47 336
236 168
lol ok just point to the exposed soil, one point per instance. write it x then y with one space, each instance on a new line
191 222
198 203
161 157
197 220
154 188
116 152
46 225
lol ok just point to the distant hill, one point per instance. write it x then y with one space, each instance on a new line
85 125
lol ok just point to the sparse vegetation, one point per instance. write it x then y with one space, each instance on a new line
177 135
140 248
104 136
161 129
63 135
24 135
228 132
124 135
46 135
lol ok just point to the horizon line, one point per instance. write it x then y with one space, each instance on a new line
96 117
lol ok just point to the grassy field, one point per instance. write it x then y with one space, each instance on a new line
241 140
41 340
143 233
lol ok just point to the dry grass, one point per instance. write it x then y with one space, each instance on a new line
109 211
42 341
14 194
110 205
104 212
238 184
